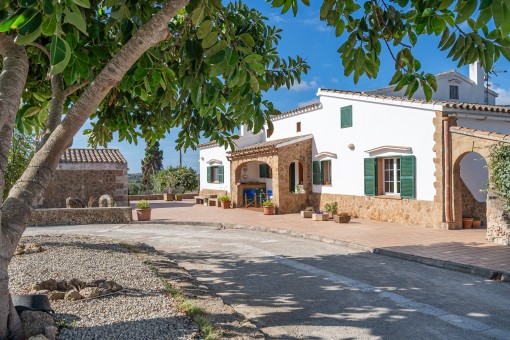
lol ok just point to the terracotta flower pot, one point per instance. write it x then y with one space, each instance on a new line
143 214
268 210
320 217
178 197
225 204
467 222
476 223
169 197
342 218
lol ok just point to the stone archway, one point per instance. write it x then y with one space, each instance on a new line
465 142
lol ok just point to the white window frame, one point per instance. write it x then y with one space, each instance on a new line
396 177
214 174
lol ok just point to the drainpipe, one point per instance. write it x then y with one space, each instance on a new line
447 171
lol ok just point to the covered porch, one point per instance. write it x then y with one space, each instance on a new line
279 170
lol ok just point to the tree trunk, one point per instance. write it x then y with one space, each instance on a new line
24 195
12 84
58 99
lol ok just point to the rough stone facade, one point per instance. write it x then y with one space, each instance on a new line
86 173
279 160
498 226
402 211
470 206
74 216
205 192
87 180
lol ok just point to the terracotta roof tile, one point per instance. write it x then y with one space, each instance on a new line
92 156
267 145
480 133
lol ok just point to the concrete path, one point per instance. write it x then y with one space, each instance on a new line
301 289
465 250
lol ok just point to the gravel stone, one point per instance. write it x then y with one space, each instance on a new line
142 310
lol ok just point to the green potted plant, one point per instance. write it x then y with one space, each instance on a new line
331 208
477 222
143 210
224 201
178 197
307 213
342 218
268 207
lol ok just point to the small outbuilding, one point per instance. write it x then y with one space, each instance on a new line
86 173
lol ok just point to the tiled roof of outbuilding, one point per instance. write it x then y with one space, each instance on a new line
272 144
92 156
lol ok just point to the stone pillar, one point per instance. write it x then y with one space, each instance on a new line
498 220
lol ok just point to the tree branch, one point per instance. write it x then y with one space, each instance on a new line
75 87
42 48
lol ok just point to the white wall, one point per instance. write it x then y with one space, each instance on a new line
474 173
208 154
374 125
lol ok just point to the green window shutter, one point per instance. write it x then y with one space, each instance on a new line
346 117
370 176
220 174
263 170
316 171
407 177
209 175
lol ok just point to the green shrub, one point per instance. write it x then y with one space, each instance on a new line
331 207
499 179
268 203
143 204
224 198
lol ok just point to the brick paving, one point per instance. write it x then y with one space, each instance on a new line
466 246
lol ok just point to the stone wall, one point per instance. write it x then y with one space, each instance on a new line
498 220
205 192
86 180
470 206
403 211
154 197
71 216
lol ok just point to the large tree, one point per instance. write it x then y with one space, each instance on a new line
151 164
202 66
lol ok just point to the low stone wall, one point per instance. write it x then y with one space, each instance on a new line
205 192
145 197
498 220
73 216
402 211
292 203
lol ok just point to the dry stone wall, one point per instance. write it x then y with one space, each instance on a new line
74 216
498 220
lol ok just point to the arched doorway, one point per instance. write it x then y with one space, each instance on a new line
470 178
253 178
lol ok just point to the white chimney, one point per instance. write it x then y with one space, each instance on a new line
476 73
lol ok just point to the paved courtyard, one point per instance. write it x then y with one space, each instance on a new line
467 246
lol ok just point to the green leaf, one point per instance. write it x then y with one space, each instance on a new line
6 24
253 58
24 17
31 111
254 84
466 11
204 29
60 54
216 59
396 77
210 40
29 38
76 19
48 7
247 39
82 3
49 25
197 16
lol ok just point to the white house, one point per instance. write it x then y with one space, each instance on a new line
380 156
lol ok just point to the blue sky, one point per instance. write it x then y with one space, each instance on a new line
307 36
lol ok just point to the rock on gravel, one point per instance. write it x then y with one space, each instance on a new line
142 310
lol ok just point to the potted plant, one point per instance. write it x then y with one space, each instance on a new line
224 201
477 222
143 210
169 195
307 213
467 222
331 208
268 207
342 218
178 197
320 216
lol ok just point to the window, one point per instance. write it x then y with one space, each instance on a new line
321 172
265 171
454 92
346 117
215 174
298 127
390 176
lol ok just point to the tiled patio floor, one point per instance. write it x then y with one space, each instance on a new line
466 246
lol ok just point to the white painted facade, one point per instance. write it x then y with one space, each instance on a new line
382 127
469 90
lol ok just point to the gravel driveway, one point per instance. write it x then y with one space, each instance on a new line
142 310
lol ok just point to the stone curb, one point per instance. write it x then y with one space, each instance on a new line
459 267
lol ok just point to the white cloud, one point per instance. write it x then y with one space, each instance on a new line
276 18
304 85
334 80
504 96
317 24
307 102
